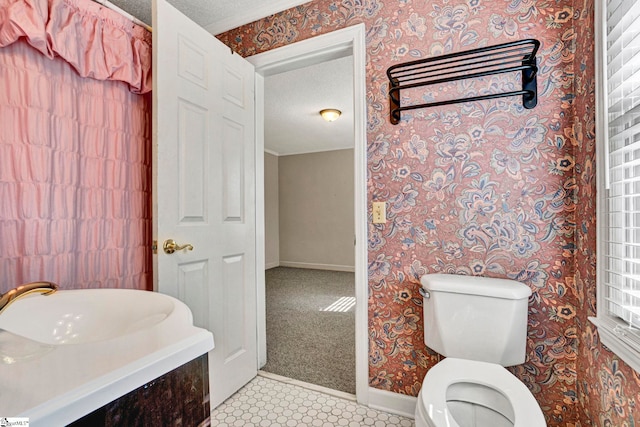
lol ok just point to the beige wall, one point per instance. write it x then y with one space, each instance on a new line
316 193
271 216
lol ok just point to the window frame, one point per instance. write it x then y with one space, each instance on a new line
609 327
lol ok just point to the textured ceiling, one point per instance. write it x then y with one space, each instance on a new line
293 101
216 16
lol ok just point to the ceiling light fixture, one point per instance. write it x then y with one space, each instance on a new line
330 114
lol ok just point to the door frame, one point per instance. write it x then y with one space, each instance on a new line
349 41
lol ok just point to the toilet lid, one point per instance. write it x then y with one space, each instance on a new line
451 370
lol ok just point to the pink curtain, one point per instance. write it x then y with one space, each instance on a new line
75 160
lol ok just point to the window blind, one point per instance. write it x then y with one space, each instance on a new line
621 246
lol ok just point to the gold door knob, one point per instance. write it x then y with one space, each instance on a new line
170 246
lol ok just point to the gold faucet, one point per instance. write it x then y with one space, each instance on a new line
45 288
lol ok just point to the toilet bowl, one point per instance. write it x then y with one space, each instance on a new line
470 393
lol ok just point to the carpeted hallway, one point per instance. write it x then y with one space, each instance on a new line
309 336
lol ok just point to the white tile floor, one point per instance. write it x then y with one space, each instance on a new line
269 402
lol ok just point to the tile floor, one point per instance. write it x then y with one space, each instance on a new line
270 402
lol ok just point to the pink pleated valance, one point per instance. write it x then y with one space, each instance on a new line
97 42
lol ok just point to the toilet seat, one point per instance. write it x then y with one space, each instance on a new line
432 400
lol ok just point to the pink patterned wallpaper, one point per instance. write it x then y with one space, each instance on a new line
485 188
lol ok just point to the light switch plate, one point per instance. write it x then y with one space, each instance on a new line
379 211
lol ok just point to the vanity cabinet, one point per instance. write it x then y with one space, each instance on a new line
178 398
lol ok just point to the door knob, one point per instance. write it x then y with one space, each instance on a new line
170 246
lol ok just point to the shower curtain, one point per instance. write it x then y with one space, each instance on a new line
75 146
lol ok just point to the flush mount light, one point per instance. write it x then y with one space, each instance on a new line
330 114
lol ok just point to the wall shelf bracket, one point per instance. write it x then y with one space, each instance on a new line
486 61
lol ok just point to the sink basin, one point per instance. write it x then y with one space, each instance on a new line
66 354
84 316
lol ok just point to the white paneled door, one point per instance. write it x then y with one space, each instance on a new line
204 192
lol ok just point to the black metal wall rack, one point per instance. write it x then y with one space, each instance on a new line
499 59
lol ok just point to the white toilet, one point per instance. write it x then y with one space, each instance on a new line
480 325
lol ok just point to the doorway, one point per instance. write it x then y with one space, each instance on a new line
310 289
309 225
338 44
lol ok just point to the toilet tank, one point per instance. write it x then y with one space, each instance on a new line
477 318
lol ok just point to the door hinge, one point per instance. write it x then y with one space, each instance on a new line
154 247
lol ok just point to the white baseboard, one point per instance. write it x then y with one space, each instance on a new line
313 266
269 265
395 403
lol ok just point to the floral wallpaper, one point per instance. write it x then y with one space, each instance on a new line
486 188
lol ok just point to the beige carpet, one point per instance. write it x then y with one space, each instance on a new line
309 338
